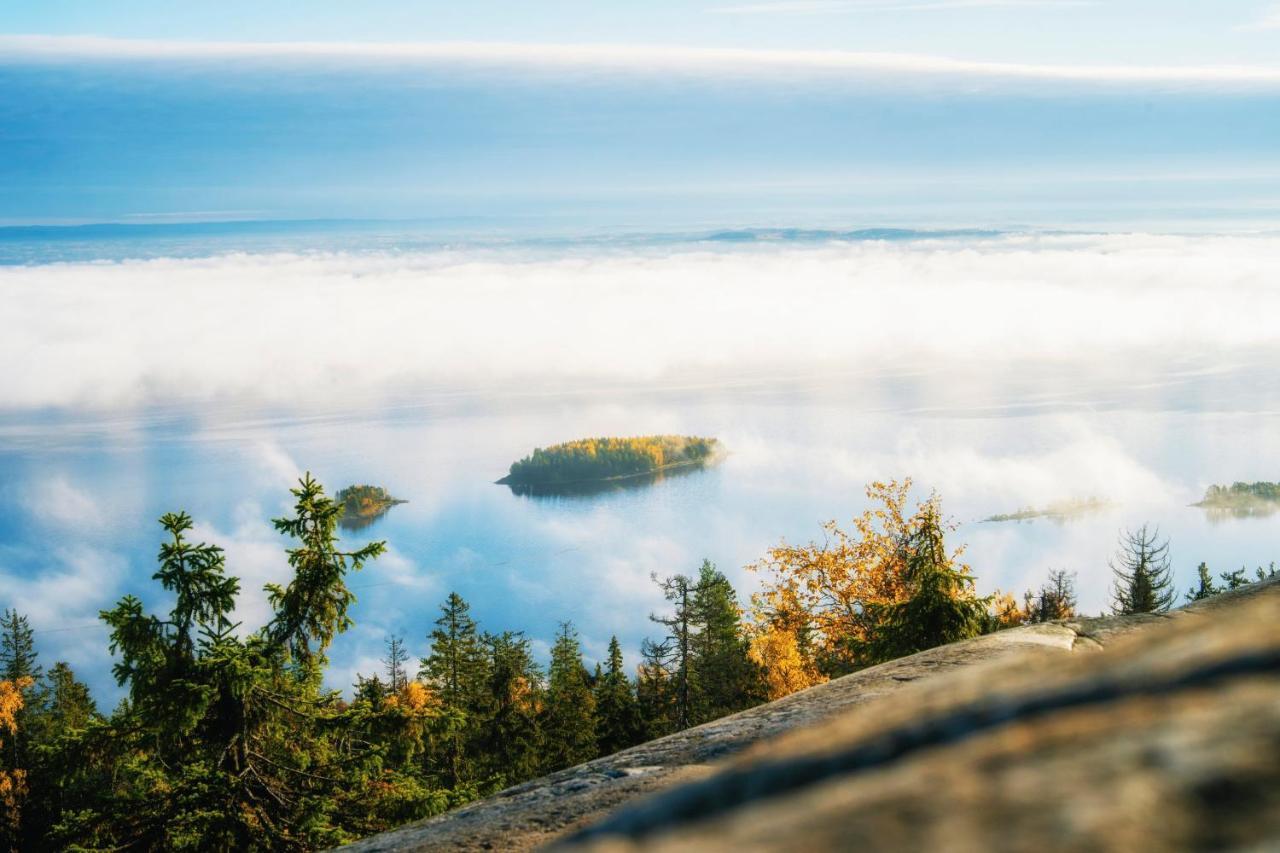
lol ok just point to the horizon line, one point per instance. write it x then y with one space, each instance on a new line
654 58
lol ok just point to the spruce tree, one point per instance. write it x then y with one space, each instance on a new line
68 704
1205 587
1236 579
655 695
726 678
674 652
18 660
17 648
941 607
393 664
510 733
617 712
1143 577
568 722
455 670
233 727
1056 599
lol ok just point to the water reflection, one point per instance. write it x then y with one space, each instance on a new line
593 488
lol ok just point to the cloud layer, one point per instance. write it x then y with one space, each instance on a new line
296 329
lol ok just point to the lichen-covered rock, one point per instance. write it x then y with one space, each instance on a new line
1011 741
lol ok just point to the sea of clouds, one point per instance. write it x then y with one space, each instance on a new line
298 329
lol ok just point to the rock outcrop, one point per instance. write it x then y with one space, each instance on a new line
1155 732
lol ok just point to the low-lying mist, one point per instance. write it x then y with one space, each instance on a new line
306 329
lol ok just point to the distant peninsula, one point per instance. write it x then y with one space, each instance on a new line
362 505
1243 499
600 460
1059 511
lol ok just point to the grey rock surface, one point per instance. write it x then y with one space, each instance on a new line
859 761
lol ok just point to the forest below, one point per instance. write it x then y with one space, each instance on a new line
227 738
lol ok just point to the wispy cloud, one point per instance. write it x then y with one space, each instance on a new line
645 59
811 7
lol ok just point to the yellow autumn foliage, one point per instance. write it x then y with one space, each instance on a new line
1006 610
13 783
777 652
830 593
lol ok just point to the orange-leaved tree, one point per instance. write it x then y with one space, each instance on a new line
831 597
13 782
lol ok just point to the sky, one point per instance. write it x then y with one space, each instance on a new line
792 112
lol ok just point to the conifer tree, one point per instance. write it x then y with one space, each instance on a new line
234 728
1236 579
394 662
510 733
568 723
1056 599
618 723
312 608
455 670
17 648
654 694
726 678
940 607
18 664
1143 578
674 652
1205 587
68 704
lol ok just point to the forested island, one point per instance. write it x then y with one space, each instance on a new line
362 505
1244 499
1059 511
594 460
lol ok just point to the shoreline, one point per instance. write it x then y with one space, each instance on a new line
507 481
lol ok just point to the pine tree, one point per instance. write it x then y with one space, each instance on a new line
674 652
18 664
1143 578
1236 579
655 695
17 648
510 734
234 728
617 712
394 662
455 670
1056 599
68 704
312 609
1206 587
568 722
726 678
940 608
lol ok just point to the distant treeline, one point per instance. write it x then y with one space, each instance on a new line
605 458
1241 495
1060 511
227 740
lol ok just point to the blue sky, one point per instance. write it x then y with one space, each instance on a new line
800 112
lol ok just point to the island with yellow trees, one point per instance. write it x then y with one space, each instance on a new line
362 505
600 460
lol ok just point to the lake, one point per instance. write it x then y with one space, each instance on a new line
1002 370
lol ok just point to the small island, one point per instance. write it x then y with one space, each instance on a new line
362 505
1060 511
1242 499
602 460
